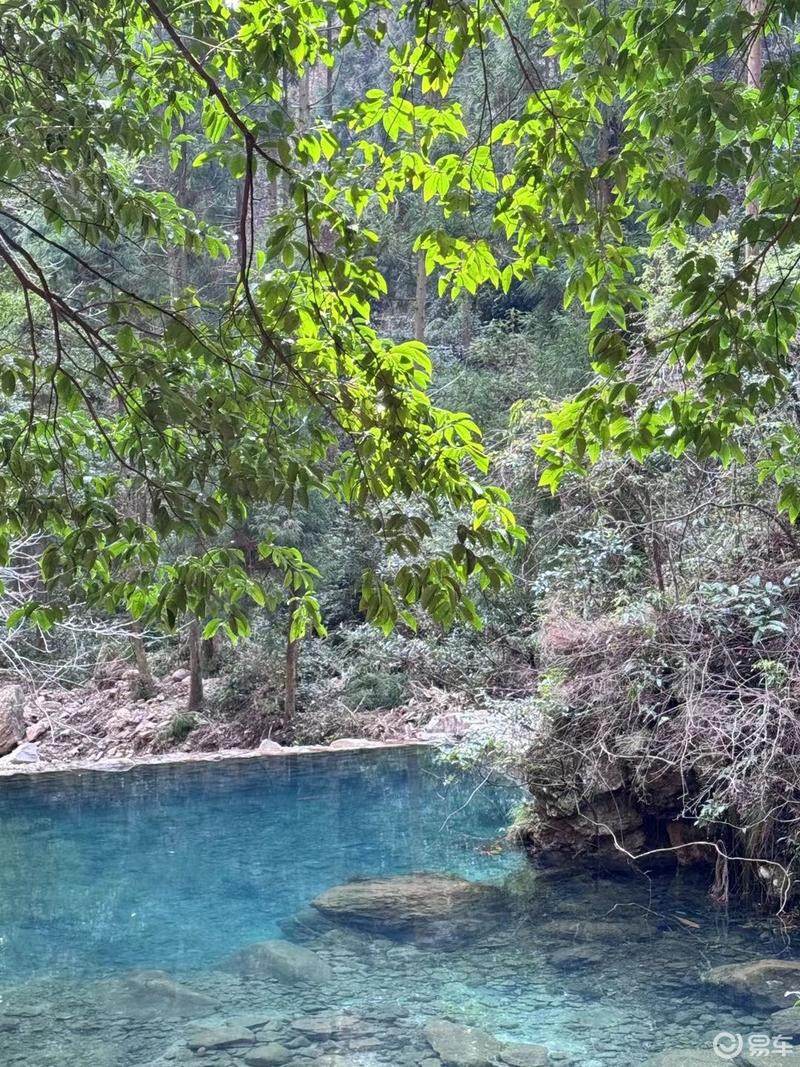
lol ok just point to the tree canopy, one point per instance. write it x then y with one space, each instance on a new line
169 368
149 406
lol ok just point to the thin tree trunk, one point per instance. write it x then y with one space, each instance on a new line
420 298
755 63
241 237
604 191
178 266
467 321
329 72
284 182
755 55
147 685
304 101
290 682
195 668
209 650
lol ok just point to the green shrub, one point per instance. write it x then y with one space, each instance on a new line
370 690
181 726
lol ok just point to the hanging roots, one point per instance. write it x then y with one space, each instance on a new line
720 889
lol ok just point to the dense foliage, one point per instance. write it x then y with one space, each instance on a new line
173 398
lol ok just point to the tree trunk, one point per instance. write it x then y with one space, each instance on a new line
755 54
284 182
209 648
195 668
467 330
178 265
329 72
755 63
603 186
304 101
290 682
147 685
420 298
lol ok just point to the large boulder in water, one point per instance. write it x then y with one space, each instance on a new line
462 1046
283 960
420 907
761 984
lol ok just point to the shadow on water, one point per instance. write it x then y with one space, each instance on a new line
164 916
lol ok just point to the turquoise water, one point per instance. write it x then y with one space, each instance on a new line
121 870
173 870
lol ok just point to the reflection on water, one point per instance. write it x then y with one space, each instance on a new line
164 916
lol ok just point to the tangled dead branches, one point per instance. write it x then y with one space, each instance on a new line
683 711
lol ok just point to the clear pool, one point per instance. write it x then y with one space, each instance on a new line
123 896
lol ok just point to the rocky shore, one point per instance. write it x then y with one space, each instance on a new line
103 727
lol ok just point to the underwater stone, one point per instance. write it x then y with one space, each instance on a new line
684 1057
271 1055
786 1022
522 1055
280 959
760 983
305 923
324 1026
462 1046
155 993
223 1037
432 907
595 930
786 1058
335 1060
577 956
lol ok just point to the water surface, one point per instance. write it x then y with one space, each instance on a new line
173 869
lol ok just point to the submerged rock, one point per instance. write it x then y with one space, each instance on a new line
521 1055
684 1057
306 923
271 1055
324 1026
785 1023
221 1037
787 1058
422 907
462 1046
760 983
594 930
283 960
155 993
575 956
